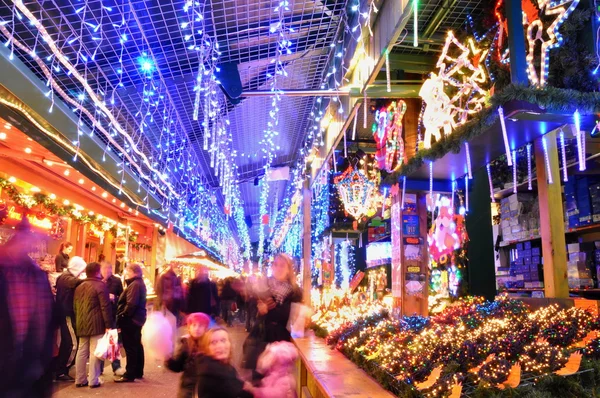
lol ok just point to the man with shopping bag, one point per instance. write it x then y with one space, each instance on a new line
93 319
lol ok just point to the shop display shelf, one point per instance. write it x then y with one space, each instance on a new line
514 242
524 122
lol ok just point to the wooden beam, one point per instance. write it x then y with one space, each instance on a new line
411 63
552 224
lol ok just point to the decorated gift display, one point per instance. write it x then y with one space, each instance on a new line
473 347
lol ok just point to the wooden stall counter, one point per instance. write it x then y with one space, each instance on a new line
323 372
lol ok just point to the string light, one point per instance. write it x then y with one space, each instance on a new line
403 192
467 194
431 185
514 170
529 172
387 71
580 141
505 135
468 152
563 152
489 173
547 160
416 23
354 126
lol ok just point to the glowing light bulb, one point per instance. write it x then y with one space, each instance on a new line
67 172
81 181
66 202
93 188
52 196
27 150
12 180
104 194
2 136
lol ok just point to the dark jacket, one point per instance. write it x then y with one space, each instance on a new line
169 292
27 324
93 312
65 289
228 293
276 319
202 296
132 302
61 262
115 287
219 380
184 361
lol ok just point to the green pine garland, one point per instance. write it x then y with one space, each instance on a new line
549 98
51 207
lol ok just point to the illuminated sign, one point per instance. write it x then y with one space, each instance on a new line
44 223
379 253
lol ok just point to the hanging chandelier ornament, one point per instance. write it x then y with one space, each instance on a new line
387 132
356 191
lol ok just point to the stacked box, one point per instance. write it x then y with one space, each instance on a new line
570 204
584 204
595 201
579 273
526 265
518 221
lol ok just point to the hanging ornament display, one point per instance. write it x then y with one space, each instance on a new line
57 232
448 231
457 91
387 132
356 191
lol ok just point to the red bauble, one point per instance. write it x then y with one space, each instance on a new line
265 219
40 215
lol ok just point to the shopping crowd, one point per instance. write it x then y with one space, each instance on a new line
89 301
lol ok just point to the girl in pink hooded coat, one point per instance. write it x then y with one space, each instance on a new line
277 363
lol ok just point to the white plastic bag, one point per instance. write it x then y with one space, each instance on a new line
299 314
108 346
157 336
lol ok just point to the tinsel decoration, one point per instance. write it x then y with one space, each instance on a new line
3 213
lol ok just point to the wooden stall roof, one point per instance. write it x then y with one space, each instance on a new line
336 375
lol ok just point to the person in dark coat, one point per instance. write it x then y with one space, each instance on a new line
228 297
61 261
93 318
217 378
202 295
115 288
28 320
66 284
131 316
120 264
169 292
188 354
274 304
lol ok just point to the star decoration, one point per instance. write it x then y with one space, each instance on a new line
539 38
535 33
457 90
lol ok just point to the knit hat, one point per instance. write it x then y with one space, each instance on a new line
198 317
76 266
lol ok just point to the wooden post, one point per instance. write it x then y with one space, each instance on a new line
107 249
306 245
552 224
397 246
516 42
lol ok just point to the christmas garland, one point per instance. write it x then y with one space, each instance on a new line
549 98
477 344
52 208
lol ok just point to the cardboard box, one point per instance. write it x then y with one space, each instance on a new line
573 248
536 251
527 245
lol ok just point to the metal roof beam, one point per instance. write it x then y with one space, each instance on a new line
436 20
412 63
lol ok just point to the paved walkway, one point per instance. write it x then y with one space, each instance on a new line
158 381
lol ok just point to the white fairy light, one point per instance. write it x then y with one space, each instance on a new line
563 153
504 135
489 173
529 172
547 160
403 192
514 170
468 153
467 193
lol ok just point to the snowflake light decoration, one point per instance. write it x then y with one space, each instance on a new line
456 91
356 191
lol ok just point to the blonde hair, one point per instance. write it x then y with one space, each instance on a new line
205 342
289 262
